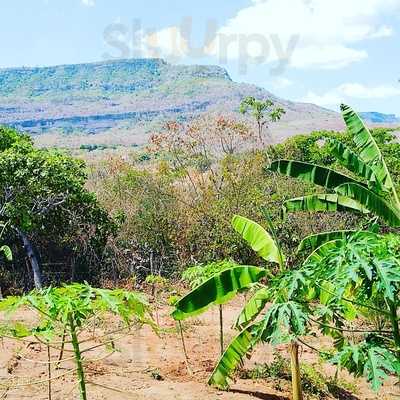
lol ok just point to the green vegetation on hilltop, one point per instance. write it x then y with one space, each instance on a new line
98 79
103 99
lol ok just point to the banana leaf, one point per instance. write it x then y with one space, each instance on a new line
319 253
355 164
312 173
312 242
368 149
253 307
372 202
239 348
258 239
219 289
323 202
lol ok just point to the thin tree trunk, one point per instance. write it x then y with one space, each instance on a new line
73 269
295 367
156 306
152 273
260 132
221 330
179 327
60 356
78 359
33 260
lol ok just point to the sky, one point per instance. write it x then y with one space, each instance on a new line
320 51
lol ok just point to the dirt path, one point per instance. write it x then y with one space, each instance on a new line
147 367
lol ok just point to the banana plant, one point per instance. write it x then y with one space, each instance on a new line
283 322
198 274
368 188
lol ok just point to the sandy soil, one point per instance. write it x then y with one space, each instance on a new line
147 367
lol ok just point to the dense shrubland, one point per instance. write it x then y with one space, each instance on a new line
177 206
169 207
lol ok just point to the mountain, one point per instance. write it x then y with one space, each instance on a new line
379 118
122 102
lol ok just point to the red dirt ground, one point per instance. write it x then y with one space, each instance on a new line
141 357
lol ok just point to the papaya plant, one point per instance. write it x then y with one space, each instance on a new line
69 309
351 287
368 188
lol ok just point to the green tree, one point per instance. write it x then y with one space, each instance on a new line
263 112
42 193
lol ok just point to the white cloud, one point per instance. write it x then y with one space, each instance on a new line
326 56
326 30
323 34
383 31
359 91
167 43
347 91
89 3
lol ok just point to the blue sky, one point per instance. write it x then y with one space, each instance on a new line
327 51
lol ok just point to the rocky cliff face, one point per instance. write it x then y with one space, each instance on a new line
131 98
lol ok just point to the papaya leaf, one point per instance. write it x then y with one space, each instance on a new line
388 274
284 322
371 361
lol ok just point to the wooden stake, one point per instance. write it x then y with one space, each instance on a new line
295 367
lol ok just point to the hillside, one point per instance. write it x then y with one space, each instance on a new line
122 102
